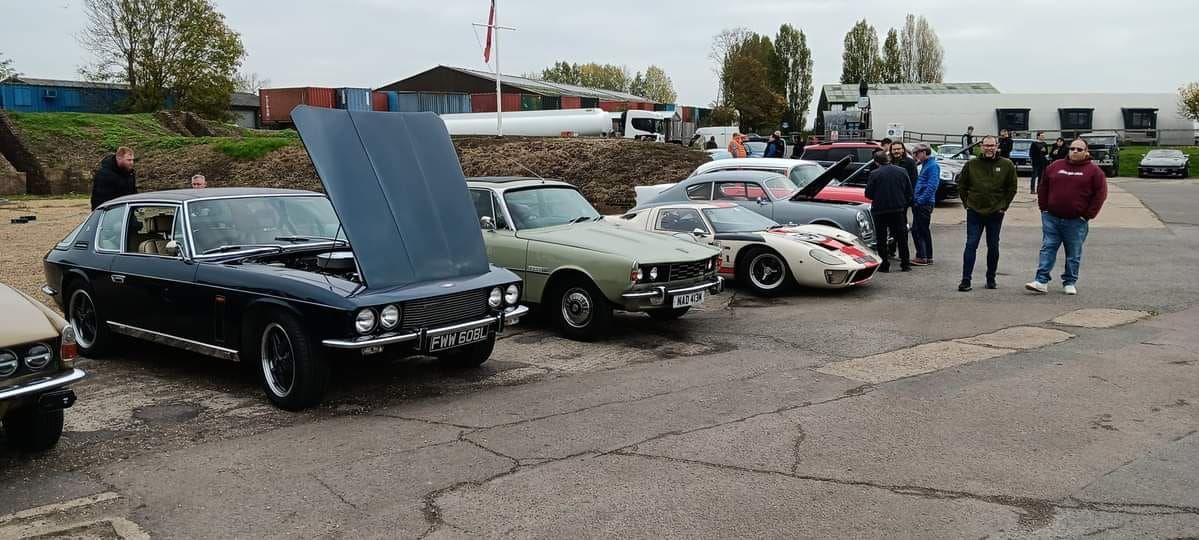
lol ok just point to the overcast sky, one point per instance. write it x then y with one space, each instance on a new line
1018 45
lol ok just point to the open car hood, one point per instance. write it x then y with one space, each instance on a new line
820 182
396 184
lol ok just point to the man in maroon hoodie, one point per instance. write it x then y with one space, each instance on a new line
1071 193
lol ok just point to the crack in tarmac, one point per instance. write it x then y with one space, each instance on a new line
334 492
799 439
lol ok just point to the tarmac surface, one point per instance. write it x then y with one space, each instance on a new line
902 408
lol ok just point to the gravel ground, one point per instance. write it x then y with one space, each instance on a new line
22 246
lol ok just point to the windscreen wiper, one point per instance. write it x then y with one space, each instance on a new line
580 219
311 238
236 247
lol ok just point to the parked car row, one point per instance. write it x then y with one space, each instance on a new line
403 256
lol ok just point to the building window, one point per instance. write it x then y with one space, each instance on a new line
1076 118
1012 119
1141 119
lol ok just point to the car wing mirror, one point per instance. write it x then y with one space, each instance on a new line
699 233
172 249
761 201
486 223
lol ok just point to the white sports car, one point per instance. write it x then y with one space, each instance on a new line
760 253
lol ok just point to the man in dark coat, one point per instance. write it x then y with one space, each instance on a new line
890 194
775 147
1037 153
899 156
1005 144
711 144
115 177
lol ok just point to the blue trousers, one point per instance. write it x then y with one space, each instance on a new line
976 225
1055 233
922 235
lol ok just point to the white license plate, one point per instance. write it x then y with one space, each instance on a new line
459 338
692 299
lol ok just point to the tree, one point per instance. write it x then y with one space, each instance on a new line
892 67
250 83
1188 101
722 44
753 83
606 76
722 115
655 85
860 60
795 59
161 48
6 69
920 52
561 72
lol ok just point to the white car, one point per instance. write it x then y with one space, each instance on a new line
765 256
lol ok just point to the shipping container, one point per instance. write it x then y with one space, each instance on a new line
688 114
379 101
486 102
403 102
22 97
665 107
614 106
443 103
551 103
530 102
354 99
276 103
572 102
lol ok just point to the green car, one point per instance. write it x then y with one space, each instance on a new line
577 266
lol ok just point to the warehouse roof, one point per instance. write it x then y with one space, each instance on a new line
65 84
848 93
524 84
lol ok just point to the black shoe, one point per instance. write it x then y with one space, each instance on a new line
964 286
905 268
992 285
884 269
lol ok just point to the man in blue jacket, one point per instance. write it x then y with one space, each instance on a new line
924 197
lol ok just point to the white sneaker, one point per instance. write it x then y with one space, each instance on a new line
1069 289
1037 287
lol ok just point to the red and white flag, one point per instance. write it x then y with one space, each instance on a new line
490 27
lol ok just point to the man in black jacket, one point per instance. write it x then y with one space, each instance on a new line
1037 153
899 156
890 194
1005 144
115 177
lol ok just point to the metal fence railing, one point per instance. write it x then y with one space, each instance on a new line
1152 137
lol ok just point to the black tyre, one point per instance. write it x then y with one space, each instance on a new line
291 368
32 430
581 310
470 356
668 314
92 336
764 271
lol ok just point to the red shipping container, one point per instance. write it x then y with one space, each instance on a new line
571 102
687 114
614 106
275 104
486 102
378 101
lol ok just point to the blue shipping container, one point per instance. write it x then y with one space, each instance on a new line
403 102
29 98
354 99
443 103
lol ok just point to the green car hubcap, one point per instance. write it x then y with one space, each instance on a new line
576 307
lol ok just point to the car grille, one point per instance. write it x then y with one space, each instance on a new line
443 310
864 274
688 270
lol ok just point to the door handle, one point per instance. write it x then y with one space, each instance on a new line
118 279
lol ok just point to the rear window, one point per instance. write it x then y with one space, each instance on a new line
837 153
70 239
815 155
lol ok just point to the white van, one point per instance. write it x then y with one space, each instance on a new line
723 134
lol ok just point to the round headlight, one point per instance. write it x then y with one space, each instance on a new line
364 321
512 295
653 273
863 223
496 298
825 257
8 363
38 357
389 317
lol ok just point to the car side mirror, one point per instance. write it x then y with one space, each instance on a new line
486 223
172 248
699 233
761 202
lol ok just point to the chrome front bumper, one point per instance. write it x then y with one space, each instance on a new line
510 317
657 296
38 386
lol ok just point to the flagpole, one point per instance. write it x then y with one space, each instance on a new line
499 103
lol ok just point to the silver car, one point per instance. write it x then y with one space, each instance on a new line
1165 162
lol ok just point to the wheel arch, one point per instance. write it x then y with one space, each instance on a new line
562 275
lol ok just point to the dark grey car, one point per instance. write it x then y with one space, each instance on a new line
771 194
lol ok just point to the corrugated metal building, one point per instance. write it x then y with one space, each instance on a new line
245 110
25 94
531 94
842 97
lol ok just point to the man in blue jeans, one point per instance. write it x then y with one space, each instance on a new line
923 200
987 186
1071 194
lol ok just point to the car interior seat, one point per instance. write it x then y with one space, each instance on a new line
157 229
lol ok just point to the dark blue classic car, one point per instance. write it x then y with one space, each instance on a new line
390 261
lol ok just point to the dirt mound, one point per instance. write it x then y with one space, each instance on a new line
604 169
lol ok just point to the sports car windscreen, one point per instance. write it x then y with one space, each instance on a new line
548 206
229 224
735 219
802 176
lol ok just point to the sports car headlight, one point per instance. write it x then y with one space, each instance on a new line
364 320
8 363
863 223
512 295
653 273
496 298
389 316
825 257
38 357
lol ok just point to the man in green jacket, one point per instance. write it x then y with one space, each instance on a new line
987 186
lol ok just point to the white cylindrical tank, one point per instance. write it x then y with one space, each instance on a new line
581 122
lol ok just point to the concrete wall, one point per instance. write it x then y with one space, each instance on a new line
951 113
